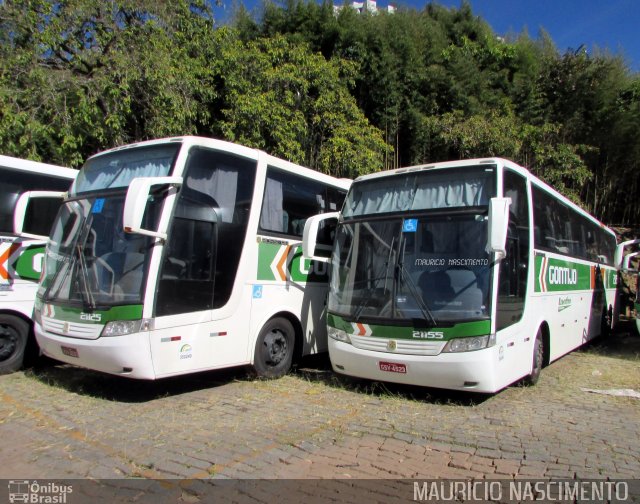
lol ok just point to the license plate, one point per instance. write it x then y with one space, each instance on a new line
71 352
393 367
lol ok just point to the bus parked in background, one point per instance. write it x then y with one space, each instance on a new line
21 256
466 275
637 303
181 255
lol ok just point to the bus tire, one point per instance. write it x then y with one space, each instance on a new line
605 322
14 334
274 349
536 361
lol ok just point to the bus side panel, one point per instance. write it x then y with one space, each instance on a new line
194 342
286 282
19 299
571 295
304 302
515 347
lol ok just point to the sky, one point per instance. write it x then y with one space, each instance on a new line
612 25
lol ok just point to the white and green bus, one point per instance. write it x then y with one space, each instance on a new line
180 255
21 255
467 275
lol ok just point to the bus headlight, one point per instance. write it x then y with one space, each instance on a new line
470 344
338 335
124 327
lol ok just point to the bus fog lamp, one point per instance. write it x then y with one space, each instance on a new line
338 335
123 327
468 344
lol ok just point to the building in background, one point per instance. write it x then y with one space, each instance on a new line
370 6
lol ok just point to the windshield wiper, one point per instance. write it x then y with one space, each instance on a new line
86 291
427 315
48 296
363 304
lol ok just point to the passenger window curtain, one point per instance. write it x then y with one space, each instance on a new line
272 217
436 192
220 184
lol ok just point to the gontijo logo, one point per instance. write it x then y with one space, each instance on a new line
559 275
556 275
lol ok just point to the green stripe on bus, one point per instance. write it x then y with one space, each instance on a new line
460 330
558 275
281 262
70 314
29 264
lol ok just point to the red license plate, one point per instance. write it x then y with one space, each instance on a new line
393 367
71 352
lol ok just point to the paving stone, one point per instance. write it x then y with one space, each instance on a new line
296 427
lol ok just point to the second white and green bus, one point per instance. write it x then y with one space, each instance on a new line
467 275
21 256
181 255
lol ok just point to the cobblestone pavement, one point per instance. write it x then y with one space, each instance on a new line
64 422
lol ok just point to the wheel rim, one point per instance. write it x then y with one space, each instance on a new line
8 342
275 347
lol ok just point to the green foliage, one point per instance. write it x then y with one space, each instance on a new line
83 75
342 92
441 85
280 97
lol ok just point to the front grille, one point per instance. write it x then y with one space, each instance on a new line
71 329
402 346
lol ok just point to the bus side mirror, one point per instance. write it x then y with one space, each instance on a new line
619 258
310 235
136 202
35 212
498 225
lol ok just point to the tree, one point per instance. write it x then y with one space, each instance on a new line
278 96
83 75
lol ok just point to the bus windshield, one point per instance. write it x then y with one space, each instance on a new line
90 260
118 169
422 190
411 248
424 270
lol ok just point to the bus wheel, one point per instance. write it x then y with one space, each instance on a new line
14 333
536 364
274 349
605 322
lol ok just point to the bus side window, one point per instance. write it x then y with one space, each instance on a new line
213 207
512 285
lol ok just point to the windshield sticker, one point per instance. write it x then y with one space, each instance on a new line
410 225
97 206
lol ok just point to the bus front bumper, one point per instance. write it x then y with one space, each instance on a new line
468 371
128 355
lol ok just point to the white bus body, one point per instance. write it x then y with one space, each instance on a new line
21 257
181 255
466 275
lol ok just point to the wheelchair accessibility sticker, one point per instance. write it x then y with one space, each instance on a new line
410 225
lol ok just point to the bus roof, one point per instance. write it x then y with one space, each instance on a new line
486 161
37 167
